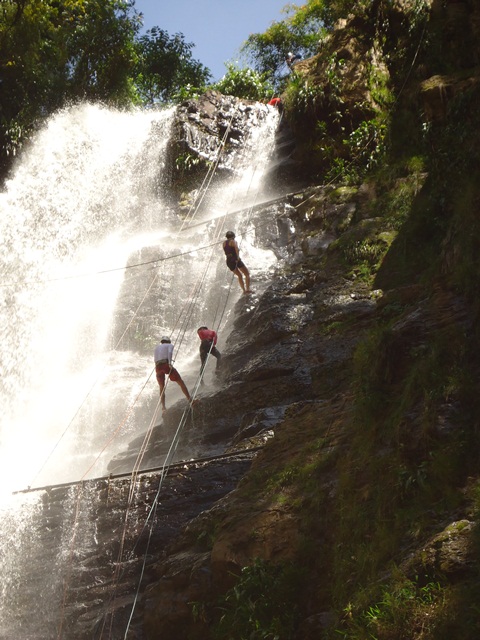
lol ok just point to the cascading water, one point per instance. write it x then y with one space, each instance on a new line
72 208
88 276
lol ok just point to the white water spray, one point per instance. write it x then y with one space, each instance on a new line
86 196
86 200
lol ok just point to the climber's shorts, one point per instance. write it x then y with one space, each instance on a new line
165 369
233 263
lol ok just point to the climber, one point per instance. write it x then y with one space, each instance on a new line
234 263
208 343
163 366
276 102
291 59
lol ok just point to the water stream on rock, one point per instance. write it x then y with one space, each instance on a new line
88 199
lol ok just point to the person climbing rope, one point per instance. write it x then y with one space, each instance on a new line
208 347
163 367
234 263
276 102
291 59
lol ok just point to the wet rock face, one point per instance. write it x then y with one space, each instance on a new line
272 356
215 120
120 530
277 358
211 130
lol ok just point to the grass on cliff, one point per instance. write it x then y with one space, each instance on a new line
425 606
368 490
396 473
262 605
416 435
365 492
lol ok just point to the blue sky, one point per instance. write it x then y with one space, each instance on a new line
218 28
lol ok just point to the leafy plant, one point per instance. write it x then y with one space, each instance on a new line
391 616
261 606
188 92
303 98
165 66
299 32
367 143
186 162
54 52
245 83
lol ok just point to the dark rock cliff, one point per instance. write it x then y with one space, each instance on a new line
345 401
320 355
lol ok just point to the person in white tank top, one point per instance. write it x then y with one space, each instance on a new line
163 367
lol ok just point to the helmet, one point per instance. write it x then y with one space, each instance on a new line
165 339
229 234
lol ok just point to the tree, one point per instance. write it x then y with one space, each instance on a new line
244 83
300 33
55 51
29 61
165 65
101 52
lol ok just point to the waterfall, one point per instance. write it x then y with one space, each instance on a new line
81 196
95 267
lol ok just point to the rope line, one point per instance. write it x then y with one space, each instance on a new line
186 314
213 170
155 260
153 511
119 341
176 439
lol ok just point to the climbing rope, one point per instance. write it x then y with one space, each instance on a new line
186 315
176 439
210 174
154 505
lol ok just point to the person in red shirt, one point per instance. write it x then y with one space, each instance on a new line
208 339
276 102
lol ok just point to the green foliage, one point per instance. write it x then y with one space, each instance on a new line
245 83
364 256
346 148
99 49
454 173
367 143
341 171
398 184
299 32
434 365
364 148
186 161
400 391
54 52
304 98
187 166
284 478
363 248
188 92
261 605
165 66
391 616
